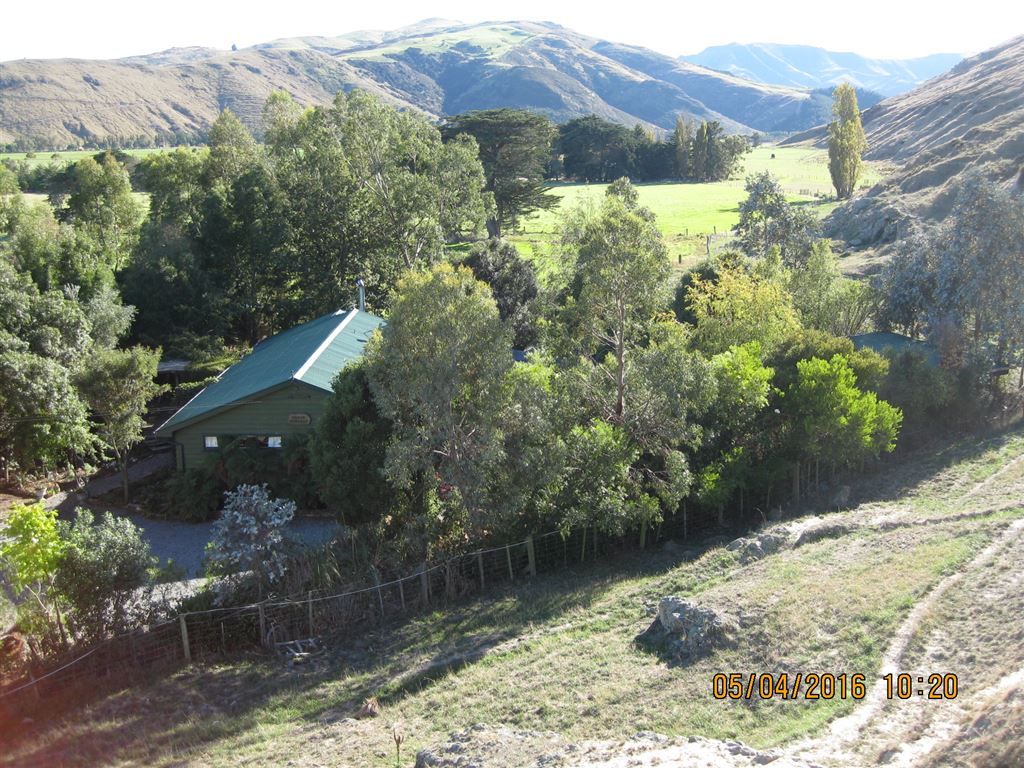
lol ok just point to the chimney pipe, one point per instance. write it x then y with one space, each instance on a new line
362 294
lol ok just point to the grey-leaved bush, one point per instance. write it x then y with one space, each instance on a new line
248 537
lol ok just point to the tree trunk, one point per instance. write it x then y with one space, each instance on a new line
620 359
493 227
124 477
796 483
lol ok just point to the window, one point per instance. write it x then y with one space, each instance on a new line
210 442
274 441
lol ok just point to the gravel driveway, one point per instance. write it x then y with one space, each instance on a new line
184 543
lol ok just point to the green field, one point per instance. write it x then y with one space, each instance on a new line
688 212
41 158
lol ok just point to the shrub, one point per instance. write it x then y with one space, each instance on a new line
285 471
192 496
249 535
104 565
921 390
31 550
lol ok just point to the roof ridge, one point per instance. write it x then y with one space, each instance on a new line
324 345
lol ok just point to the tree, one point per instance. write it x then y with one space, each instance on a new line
232 152
248 537
348 450
117 385
174 181
595 488
42 420
101 203
768 221
513 282
963 284
42 338
593 149
103 565
682 144
109 319
633 368
846 142
824 298
368 192
437 371
714 156
618 283
743 384
835 420
394 158
515 146
737 307
30 552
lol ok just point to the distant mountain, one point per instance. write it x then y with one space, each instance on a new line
437 66
804 66
970 119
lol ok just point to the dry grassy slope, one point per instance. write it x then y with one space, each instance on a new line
924 575
68 102
970 118
438 67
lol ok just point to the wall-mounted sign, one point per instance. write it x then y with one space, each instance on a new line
298 418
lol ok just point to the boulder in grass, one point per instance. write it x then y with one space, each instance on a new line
686 631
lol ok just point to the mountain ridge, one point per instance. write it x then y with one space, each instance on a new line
806 66
436 67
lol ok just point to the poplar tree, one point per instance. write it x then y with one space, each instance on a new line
846 142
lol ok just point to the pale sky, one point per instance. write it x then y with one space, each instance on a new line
877 28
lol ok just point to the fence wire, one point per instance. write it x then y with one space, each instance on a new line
270 624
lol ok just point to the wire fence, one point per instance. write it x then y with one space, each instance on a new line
275 624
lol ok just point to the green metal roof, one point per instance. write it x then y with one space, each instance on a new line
879 341
311 353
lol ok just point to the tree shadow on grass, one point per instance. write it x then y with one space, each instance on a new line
892 481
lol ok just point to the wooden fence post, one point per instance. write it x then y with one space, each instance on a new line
425 585
480 565
530 556
35 686
643 534
380 595
583 545
310 604
401 593
263 626
508 556
184 638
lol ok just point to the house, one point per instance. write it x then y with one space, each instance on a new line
880 341
278 389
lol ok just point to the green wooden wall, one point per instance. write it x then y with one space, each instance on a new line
266 416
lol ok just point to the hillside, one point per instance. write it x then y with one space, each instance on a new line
436 66
805 66
971 118
921 575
